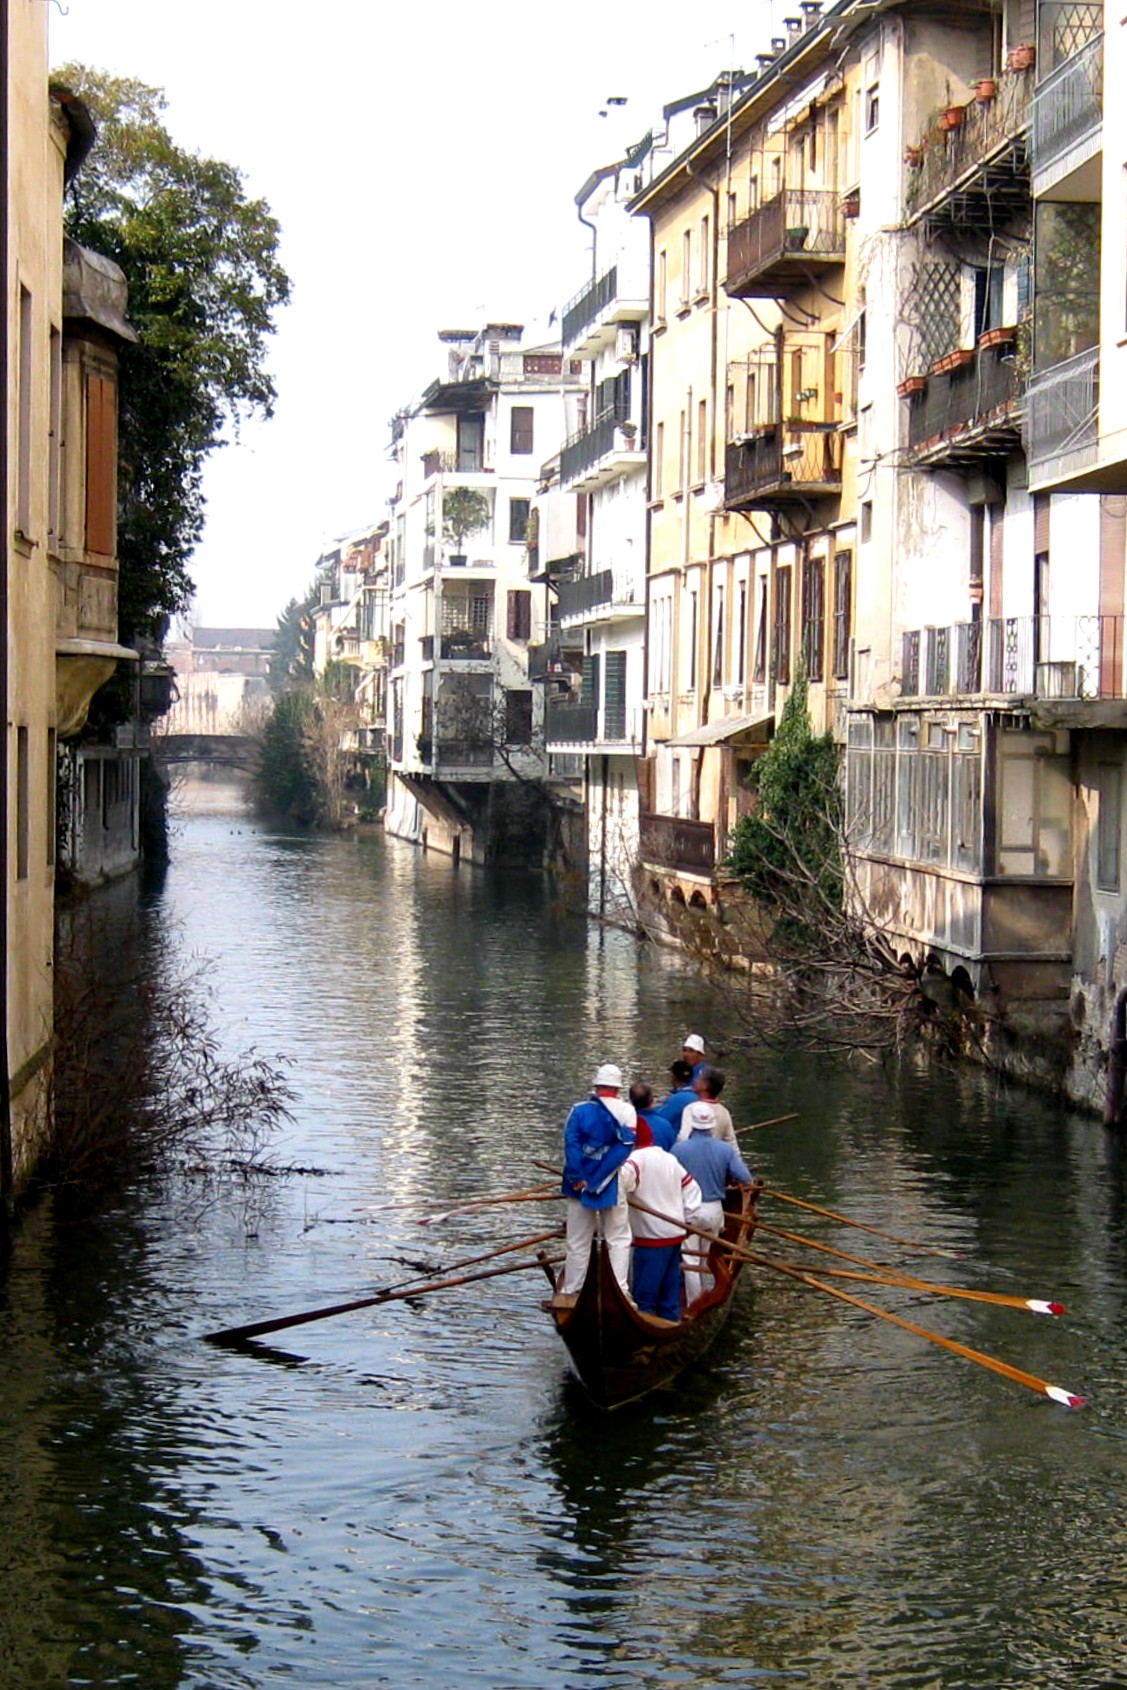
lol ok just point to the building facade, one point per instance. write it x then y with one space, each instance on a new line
465 742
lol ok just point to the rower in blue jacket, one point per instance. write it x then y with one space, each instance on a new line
598 1137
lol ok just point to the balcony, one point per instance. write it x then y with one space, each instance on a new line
1066 127
591 319
596 455
1062 428
568 722
1067 658
465 645
970 166
965 417
557 656
781 464
599 597
775 250
453 755
675 843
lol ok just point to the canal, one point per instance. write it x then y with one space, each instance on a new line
418 1496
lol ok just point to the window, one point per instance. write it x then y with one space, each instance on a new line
732 217
23 799
861 337
843 605
781 652
518 718
753 194
471 443
519 511
814 618
866 520
1033 832
759 666
52 789
702 440
741 636
682 448
659 460
520 430
55 448
692 665
518 624
907 786
23 417
872 108
882 803
718 638
660 287
686 264
703 256
1109 791
614 699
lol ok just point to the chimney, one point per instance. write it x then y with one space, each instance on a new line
705 117
778 45
764 61
793 28
811 11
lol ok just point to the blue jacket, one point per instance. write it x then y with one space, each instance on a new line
674 1105
712 1163
663 1131
595 1146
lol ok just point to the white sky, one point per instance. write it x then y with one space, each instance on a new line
422 159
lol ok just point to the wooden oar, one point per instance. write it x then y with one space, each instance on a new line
547 1194
1055 1393
393 1293
475 1203
776 1121
891 1276
863 1226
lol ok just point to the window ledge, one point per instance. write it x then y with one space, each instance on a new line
655 504
683 309
23 543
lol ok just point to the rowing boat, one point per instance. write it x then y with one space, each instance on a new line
619 1354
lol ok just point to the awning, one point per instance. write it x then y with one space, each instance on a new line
757 729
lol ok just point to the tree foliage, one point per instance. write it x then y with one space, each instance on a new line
788 855
200 259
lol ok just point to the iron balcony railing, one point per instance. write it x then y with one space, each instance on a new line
465 645
571 722
946 157
463 754
602 591
587 304
1068 106
1065 657
799 230
984 396
584 449
1063 409
553 657
782 462
676 843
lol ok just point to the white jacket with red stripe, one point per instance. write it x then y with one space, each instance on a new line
657 1178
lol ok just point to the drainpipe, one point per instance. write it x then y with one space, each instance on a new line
1116 1062
6 1162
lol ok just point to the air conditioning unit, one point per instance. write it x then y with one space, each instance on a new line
626 346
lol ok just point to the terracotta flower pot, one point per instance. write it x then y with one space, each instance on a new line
952 118
913 157
957 360
986 89
911 385
997 337
1023 57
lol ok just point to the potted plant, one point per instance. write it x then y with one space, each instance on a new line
464 511
997 337
957 360
796 238
985 89
952 118
913 157
912 385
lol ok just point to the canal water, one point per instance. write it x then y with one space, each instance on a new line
418 1495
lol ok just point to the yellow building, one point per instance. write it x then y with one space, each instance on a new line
754 350
59 581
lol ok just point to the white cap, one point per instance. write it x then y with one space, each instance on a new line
702 1116
609 1075
694 1042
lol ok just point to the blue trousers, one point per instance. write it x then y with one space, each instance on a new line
657 1279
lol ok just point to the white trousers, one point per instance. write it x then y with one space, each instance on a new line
585 1224
710 1216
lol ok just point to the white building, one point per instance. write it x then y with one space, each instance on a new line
462 725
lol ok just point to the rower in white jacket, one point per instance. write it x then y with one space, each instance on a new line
656 1177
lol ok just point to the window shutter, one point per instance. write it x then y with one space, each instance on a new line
519 615
101 458
614 698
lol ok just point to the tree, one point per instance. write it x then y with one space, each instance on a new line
465 511
200 259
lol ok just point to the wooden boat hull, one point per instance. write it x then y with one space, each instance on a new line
619 1354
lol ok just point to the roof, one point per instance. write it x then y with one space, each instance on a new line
756 728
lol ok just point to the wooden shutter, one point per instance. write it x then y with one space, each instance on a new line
614 696
520 431
519 615
101 463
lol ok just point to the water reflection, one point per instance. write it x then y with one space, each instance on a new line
416 1494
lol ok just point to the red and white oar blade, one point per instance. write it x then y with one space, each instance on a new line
1040 1307
1067 1399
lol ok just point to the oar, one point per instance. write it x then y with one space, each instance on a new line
546 1195
776 1121
863 1226
476 1203
1055 1393
891 1276
406 1288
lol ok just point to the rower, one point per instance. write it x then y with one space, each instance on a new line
598 1136
714 1164
664 1185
